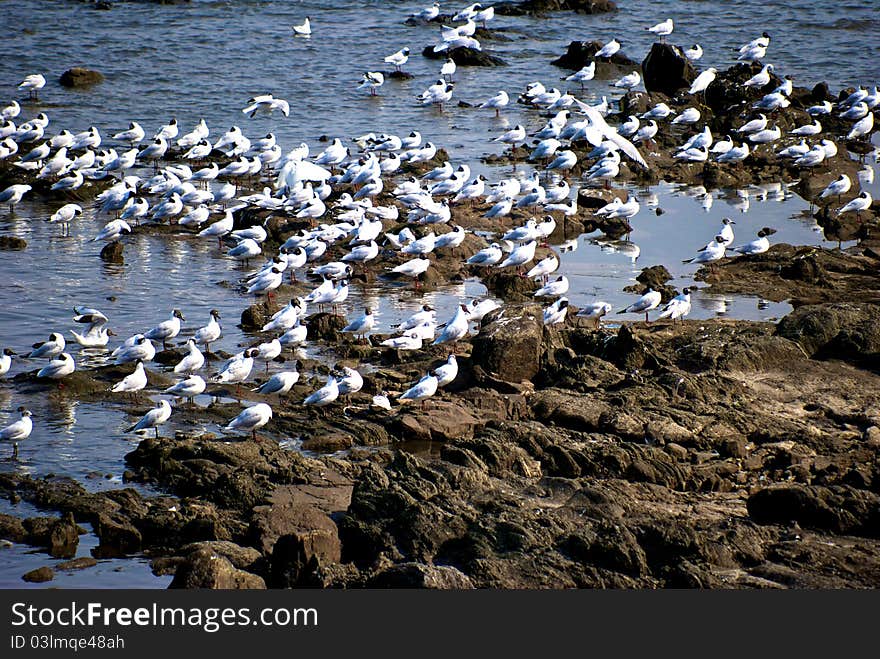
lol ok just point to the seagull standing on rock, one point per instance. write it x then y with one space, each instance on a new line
650 300
662 30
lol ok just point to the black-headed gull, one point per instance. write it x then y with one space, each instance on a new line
18 431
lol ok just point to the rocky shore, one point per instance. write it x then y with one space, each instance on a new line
698 454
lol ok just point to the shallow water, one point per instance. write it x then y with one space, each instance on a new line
206 58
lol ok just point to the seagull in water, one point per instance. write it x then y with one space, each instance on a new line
304 29
373 80
678 307
154 418
18 431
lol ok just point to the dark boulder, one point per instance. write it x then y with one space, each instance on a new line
844 330
667 70
839 509
415 575
12 243
581 53
40 575
112 252
509 344
205 568
80 76
464 56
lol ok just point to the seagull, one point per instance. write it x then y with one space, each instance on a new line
554 288
33 83
251 418
399 58
154 418
862 127
752 126
280 383
859 204
209 333
811 158
6 360
608 50
191 387
514 137
839 186
448 69
678 307
455 329
304 29
58 368
134 134
138 348
629 81
266 104
193 361
694 53
325 395
133 382
19 430
556 312
424 388
167 329
351 382
48 349
650 300
13 194
446 373
595 311
362 326
688 116
428 13
373 80
822 108
497 102
807 129
761 78
659 111
237 369
520 255
758 246
703 80
585 74
662 30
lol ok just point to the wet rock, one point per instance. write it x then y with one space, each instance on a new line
509 344
242 558
295 535
40 575
325 327
510 286
416 575
667 70
654 277
80 76
64 537
848 331
257 315
464 56
80 563
12 243
441 421
204 568
118 535
839 509
112 252
581 53
12 528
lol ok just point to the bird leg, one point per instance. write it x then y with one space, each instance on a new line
647 322
156 428
15 450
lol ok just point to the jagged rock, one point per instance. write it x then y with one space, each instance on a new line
415 575
666 69
80 76
204 568
257 315
509 344
844 330
839 509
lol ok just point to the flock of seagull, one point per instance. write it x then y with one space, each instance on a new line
348 231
